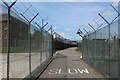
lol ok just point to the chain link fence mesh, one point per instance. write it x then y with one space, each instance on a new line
22 57
102 51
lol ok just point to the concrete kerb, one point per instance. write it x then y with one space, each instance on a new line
54 55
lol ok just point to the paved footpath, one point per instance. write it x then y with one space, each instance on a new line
68 64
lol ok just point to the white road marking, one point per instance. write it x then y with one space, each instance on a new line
69 71
72 71
83 71
53 71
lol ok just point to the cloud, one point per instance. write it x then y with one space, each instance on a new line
113 0
68 29
63 34
55 27
107 13
115 4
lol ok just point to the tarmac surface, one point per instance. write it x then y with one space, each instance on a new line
68 63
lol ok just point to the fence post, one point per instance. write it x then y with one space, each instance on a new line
119 41
79 32
40 43
8 41
118 32
95 41
51 41
43 26
29 25
109 28
108 38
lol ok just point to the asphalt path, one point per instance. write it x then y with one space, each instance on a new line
68 63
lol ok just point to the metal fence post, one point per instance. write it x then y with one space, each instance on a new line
51 39
43 26
53 42
118 11
109 23
29 25
119 41
108 38
40 42
95 41
8 41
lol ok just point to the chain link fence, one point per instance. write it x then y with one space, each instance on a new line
101 49
30 47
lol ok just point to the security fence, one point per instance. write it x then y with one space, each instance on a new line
96 50
101 49
26 49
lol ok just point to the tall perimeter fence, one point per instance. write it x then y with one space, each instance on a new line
26 48
101 47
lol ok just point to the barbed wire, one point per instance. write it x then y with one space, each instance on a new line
107 14
17 10
96 19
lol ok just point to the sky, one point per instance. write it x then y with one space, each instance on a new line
68 0
67 16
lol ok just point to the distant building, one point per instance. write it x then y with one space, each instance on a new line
18 32
73 42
